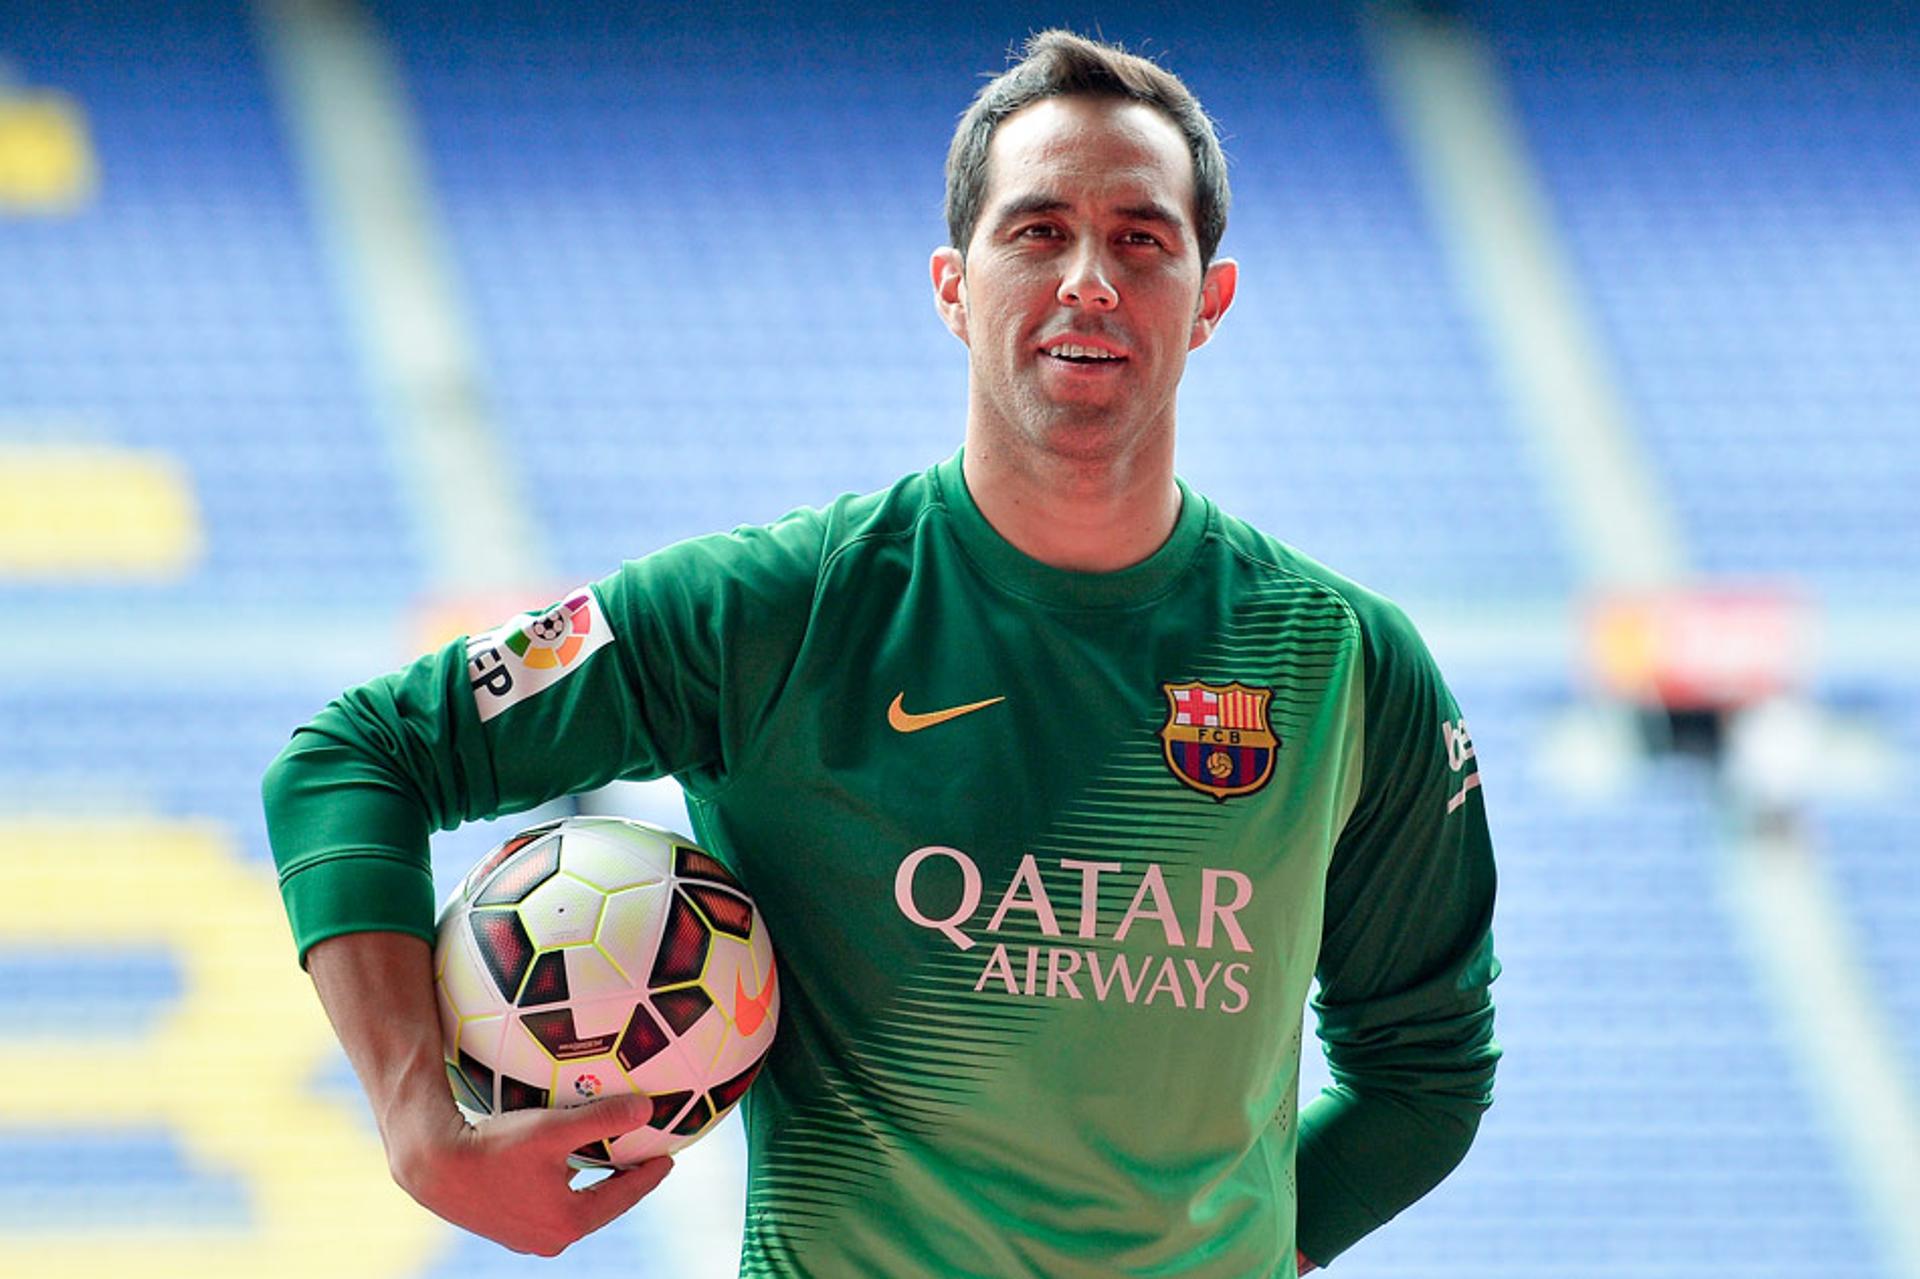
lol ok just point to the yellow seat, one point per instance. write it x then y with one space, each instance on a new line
47 164
96 512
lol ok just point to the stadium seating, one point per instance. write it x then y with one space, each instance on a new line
1736 191
1647 1117
1867 847
188 312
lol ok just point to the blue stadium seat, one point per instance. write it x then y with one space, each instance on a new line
1735 185
189 310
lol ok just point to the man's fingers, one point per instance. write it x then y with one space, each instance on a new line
607 1118
602 1202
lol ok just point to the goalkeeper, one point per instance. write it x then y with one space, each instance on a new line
1058 787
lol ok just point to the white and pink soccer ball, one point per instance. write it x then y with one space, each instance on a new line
597 955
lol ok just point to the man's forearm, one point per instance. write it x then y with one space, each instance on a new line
377 988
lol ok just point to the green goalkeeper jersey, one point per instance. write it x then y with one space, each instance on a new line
1050 860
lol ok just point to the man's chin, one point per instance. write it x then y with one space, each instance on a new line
1079 401
1082 434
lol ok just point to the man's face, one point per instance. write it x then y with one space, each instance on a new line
1081 292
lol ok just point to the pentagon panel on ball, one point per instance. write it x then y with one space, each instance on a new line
597 955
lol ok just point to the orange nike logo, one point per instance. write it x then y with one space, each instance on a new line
905 721
750 1011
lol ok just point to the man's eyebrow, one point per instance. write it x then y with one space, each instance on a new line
1028 206
1153 211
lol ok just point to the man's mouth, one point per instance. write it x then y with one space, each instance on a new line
1083 353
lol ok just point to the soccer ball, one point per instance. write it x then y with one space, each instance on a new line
597 955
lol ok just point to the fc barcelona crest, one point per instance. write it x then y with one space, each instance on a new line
1218 737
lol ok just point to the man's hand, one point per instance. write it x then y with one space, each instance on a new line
505 1178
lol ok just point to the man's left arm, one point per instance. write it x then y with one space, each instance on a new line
1406 958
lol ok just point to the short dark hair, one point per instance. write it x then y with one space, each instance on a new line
1061 64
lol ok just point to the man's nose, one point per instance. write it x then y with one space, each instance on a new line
1087 282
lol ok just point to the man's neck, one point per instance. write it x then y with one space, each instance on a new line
1090 516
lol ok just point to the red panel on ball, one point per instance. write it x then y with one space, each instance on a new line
519 877
683 947
504 947
691 863
725 911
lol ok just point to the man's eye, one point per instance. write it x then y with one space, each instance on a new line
1038 231
1146 238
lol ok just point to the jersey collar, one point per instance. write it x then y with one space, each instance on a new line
1011 567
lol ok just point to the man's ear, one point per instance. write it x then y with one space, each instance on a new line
1216 295
950 289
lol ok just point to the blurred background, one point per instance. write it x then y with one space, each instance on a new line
330 329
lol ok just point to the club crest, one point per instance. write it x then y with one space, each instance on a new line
1218 738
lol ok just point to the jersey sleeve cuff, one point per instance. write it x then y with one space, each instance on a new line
1339 1216
357 893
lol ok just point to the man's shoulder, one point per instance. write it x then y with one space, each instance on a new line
1380 621
805 537
883 514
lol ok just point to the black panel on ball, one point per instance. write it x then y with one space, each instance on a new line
681 1008
464 1092
479 1079
683 947
665 1106
725 1094
492 861
524 872
698 1116
727 912
547 983
642 1039
556 1033
517 1094
504 947
691 863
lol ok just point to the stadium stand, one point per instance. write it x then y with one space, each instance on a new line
187 312
1736 185
1868 845
1648 1116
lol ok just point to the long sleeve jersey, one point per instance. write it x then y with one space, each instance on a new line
1050 861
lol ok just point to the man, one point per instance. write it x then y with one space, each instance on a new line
1055 784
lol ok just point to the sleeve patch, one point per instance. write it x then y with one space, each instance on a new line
532 652
1459 755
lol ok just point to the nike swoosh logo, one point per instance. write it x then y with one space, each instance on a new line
905 721
749 1011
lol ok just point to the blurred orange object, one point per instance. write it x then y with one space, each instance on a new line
1699 648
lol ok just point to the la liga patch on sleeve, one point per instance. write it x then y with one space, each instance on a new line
531 653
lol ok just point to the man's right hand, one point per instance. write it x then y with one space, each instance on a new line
506 1178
